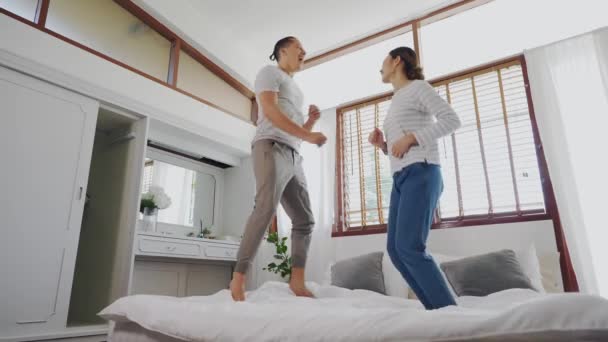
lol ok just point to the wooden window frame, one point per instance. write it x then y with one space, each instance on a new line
178 45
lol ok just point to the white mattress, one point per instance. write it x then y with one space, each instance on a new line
272 313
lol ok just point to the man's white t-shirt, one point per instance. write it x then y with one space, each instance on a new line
290 101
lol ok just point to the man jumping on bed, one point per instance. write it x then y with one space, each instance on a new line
417 118
277 165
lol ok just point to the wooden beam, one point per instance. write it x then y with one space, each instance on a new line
42 11
176 48
417 41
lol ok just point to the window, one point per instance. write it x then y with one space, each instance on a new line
489 165
503 28
23 8
106 27
366 178
349 77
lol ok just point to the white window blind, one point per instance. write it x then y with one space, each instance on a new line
489 165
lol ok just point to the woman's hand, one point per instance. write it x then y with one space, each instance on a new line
403 145
376 138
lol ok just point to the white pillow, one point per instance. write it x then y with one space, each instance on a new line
551 272
528 259
394 284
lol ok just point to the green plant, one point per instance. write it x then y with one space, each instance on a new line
283 264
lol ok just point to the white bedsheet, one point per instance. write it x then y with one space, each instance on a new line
272 313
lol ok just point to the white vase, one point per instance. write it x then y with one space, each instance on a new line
149 219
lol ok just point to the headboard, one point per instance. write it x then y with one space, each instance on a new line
467 241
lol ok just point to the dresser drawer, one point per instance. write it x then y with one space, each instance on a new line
150 246
220 252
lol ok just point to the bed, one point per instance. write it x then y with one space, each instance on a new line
272 313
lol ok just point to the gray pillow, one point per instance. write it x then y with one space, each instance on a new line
360 273
486 274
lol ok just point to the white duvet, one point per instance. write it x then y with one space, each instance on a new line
272 313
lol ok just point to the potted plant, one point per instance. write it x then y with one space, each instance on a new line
283 264
151 202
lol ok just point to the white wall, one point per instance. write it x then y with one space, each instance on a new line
239 185
27 49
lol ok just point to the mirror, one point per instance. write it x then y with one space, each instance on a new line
192 193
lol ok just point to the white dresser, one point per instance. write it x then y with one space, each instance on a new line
181 266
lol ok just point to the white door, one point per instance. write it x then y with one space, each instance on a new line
46 139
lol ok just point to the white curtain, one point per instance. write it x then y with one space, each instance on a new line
177 183
319 168
569 84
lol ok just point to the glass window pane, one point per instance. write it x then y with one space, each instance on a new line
503 28
194 78
108 28
349 77
22 8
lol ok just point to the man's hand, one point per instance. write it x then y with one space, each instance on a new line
316 138
314 113
403 145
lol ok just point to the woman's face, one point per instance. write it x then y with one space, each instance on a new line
389 66
292 56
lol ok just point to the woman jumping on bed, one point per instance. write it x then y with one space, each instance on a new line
277 165
417 118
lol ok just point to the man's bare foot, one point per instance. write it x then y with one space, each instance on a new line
297 285
237 287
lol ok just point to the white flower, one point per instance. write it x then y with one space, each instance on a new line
158 196
162 201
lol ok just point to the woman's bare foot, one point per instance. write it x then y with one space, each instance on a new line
237 287
300 290
297 285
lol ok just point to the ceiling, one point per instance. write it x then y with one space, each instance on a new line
239 35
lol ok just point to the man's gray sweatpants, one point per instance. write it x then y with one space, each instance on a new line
279 177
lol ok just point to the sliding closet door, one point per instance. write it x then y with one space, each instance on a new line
46 138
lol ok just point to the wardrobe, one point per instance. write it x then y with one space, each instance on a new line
70 177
